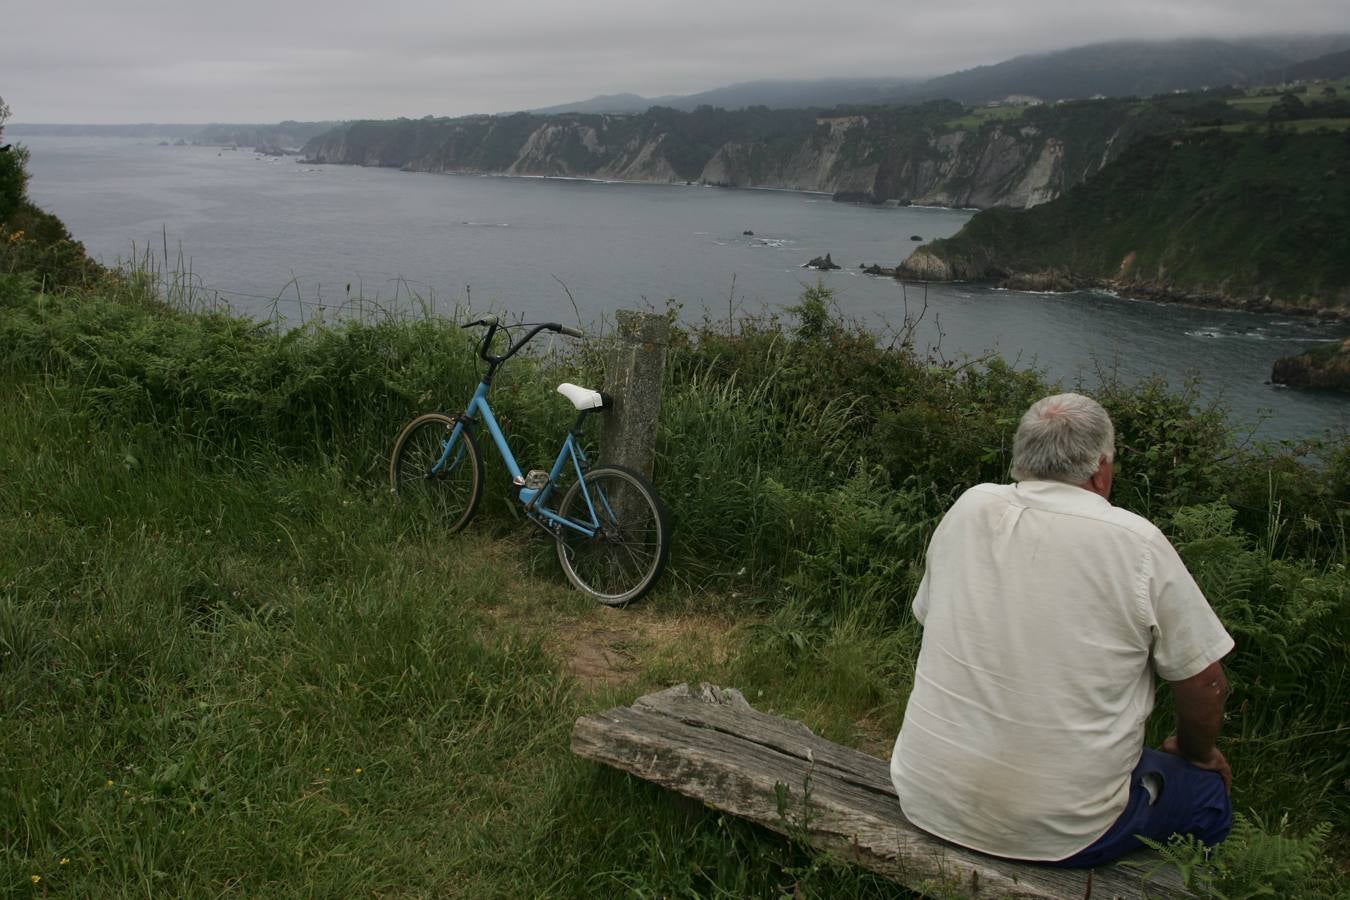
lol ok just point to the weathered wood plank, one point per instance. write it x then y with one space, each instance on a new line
710 744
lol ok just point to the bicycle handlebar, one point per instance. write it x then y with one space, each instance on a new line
493 323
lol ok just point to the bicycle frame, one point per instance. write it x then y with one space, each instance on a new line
534 501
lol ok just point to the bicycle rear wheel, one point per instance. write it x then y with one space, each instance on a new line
445 492
629 550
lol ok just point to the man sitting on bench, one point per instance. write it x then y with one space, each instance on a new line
1046 612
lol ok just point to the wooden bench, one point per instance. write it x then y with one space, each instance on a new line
710 744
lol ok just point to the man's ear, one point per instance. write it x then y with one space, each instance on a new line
1100 482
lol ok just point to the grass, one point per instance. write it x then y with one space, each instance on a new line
250 677
1261 103
230 666
1298 126
977 116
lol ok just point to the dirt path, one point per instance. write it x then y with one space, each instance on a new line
614 647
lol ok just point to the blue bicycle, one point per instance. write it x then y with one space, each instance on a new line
610 527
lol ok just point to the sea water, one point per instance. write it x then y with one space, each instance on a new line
273 236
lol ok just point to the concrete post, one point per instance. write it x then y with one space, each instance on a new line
635 372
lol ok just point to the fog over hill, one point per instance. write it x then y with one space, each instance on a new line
1112 69
826 92
1120 68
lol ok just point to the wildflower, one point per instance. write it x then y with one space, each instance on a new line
109 780
35 878
65 860
358 770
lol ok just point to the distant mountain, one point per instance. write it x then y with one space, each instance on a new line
1331 66
1116 69
606 103
1125 68
825 93
1298 47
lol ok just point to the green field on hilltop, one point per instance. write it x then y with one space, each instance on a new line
977 116
1260 100
1297 126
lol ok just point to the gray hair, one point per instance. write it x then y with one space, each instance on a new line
1062 438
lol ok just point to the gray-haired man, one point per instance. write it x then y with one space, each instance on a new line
1046 613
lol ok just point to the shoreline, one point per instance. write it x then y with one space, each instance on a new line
1050 282
1148 291
475 173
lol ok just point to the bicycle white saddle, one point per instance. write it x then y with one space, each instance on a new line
582 398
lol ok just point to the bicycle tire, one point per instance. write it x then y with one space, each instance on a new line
450 496
624 559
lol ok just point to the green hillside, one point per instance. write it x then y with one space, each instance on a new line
1243 216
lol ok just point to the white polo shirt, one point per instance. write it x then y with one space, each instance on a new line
1046 611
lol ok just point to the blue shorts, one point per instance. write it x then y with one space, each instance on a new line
1189 800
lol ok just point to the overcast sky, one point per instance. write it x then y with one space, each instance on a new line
121 61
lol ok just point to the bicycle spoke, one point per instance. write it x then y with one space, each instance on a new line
629 547
444 495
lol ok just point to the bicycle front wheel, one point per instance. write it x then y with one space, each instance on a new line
624 558
440 481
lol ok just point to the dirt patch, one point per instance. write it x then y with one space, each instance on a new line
614 647
598 656
874 739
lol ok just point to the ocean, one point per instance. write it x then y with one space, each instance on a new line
274 237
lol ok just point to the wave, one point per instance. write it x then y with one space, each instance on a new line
1216 332
1033 293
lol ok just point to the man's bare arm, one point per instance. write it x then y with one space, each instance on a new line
1200 700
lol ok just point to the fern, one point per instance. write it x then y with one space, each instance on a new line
1253 862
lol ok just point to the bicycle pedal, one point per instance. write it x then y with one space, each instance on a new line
535 479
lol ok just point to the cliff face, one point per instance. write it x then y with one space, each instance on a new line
906 157
1257 221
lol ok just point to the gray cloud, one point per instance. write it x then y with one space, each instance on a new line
263 60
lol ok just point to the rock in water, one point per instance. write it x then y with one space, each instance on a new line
1326 368
824 263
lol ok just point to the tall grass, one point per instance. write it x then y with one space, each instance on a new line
250 677
211 616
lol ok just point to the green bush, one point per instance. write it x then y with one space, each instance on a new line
13 175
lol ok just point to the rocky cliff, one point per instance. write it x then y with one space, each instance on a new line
1325 368
920 154
1258 221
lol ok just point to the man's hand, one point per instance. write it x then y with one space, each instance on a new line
1215 762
